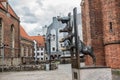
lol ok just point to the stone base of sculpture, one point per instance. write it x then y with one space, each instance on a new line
92 73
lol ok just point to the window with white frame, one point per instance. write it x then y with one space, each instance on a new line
53 48
41 58
41 49
38 54
41 53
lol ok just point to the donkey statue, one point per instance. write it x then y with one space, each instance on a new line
85 50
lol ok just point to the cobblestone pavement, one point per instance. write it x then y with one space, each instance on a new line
62 73
116 77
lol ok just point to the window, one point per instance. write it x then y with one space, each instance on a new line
41 58
12 42
38 48
22 51
53 32
41 48
111 28
41 53
31 52
53 37
53 48
61 45
26 51
38 54
37 58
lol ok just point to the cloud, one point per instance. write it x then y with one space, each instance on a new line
37 30
29 16
40 2
36 13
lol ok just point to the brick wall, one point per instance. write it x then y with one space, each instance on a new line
86 23
7 21
92 29
103 19
113 55
27 46
111 21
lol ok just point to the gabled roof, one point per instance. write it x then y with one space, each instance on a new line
8 9
12 12
39 39
24 34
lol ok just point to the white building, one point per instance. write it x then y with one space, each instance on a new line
55 37
39 48
66 53
53 46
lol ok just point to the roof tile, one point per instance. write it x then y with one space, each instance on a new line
24 34
39 39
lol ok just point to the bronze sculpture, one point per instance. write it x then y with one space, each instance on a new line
85 50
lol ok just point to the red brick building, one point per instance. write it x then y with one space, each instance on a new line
101 29
9 35
27 47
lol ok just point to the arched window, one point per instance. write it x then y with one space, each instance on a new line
53 33
31 52
22 51
26 51
12 42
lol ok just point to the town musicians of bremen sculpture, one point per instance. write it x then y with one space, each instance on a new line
80 47
76 47
83 49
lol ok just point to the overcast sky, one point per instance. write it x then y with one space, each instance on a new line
34 14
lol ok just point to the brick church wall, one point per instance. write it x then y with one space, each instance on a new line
7 22
103 19
111 21
92 29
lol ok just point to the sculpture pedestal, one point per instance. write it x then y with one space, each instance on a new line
92 73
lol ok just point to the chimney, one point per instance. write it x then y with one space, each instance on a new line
38 34
45 26
54 19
